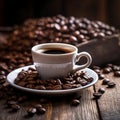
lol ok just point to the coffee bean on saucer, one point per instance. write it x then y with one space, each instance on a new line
117 73
82 81
90 79
105 81
101 90
20 83
97 95
75 102
111 84
40 87
57 87
67 86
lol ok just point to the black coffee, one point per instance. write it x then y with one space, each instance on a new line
54 51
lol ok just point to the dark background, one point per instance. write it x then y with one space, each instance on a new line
16 11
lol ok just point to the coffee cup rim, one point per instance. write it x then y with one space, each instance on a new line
43 45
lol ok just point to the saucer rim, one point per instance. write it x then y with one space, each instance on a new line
14 73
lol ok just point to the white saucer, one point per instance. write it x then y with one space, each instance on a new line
12 75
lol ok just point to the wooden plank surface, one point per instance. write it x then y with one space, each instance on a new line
58 108
109 103
87 110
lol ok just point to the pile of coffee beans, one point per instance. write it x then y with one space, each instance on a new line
71 30
30 79
38 108
109 68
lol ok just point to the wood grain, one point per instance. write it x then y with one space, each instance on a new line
59 108
87 109
109 103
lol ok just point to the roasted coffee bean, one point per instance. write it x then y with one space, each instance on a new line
31 110
57 87
101 76
15 107
40 87
41 110
116 68
3 66
67 86
107 70
76 33
101 90
97 70
38 106
73 39
71 82
68 79
96 67
82 82
111 84
100 35
20 83
97 95
12 98
75 102
117 73
22 99
57 26
2 77
76 85
22 74
105 81
58 82
31 86
2 72
49 87
11 103
81 74
90 79
110 65
55 82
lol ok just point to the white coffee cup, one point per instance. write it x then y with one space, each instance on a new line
54 60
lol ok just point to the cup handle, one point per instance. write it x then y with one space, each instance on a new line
87 64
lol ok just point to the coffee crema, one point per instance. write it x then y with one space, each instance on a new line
54 51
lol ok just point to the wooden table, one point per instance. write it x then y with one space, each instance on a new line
59 108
